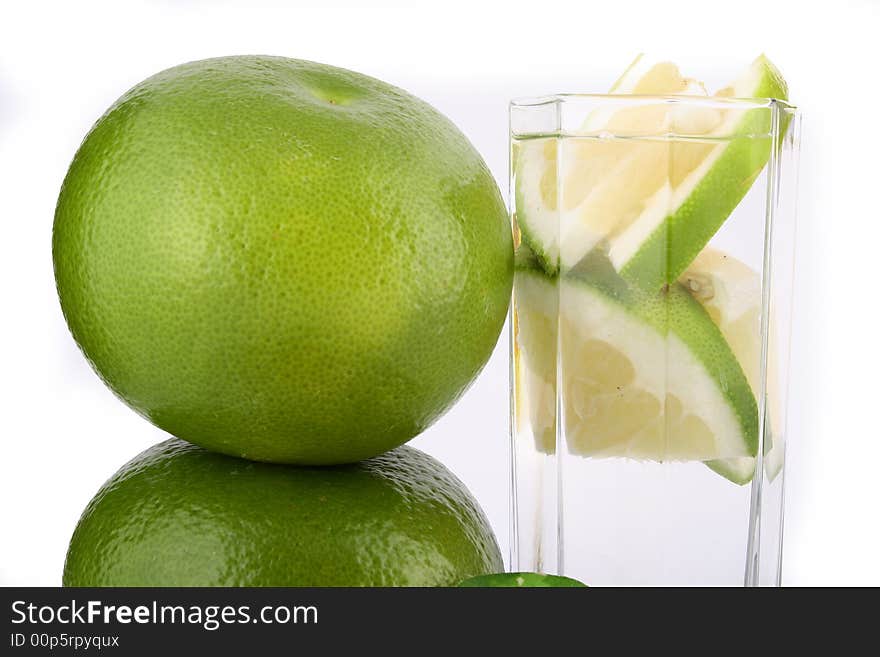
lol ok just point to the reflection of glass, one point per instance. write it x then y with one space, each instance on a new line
650 326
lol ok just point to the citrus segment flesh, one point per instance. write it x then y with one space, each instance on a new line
646 377
536 307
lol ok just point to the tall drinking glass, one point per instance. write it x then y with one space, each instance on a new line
650 328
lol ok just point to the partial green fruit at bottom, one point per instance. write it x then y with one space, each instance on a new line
178 515
522 580
282 260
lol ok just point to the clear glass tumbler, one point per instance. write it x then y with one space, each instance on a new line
650 328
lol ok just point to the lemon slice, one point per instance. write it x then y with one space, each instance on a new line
730 292
535 318
651 202
644 376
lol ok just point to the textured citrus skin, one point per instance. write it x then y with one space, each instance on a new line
179 515
282 260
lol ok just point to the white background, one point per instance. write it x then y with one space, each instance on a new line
62 64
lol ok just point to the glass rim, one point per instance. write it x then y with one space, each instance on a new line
526 102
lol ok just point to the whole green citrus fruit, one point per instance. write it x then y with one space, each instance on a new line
179 515
282 260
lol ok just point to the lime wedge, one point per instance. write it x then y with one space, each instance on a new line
651 203
730 292
705 182
537 161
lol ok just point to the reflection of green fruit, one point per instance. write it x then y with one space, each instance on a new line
522 580
178 515
282 260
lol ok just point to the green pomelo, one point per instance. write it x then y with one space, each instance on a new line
178 515
282 260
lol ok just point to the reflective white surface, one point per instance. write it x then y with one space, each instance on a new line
62 64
